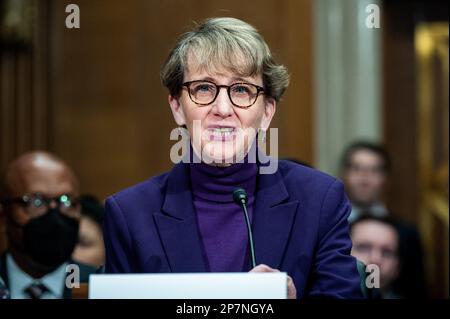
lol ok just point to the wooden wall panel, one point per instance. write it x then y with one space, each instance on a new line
400 116
23 85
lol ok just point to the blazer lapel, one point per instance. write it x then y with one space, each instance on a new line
177 224
273 219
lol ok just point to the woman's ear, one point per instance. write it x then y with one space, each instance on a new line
269 112
177 110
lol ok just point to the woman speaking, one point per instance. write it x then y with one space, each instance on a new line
223 87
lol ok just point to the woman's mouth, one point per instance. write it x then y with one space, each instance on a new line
221 134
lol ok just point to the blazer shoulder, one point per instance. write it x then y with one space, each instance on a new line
297 173
150 188
306 183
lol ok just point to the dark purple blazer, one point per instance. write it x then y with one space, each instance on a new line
299 226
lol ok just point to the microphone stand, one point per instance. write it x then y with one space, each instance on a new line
240 197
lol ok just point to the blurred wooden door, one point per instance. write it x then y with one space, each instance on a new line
431 43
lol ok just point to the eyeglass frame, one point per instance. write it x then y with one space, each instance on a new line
26 201
259 89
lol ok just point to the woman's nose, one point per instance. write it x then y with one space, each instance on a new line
222 106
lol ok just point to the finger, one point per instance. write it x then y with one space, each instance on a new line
263 268
292 291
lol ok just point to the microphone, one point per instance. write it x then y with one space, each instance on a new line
240 198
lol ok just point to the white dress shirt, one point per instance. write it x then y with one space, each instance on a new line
20 280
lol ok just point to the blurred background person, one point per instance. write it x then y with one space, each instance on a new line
39 205
376 241
90 249
365 171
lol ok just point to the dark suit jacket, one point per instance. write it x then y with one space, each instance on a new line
299 226
85 271
411 256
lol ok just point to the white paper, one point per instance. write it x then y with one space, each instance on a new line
189 286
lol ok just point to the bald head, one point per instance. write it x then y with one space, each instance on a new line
39 172
44 174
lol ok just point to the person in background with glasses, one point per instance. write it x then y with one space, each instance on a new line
222 77
41 211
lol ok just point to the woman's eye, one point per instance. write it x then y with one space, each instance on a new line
240 89
203 88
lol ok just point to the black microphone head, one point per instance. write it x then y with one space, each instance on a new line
240 196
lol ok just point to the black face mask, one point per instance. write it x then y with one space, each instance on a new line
51 238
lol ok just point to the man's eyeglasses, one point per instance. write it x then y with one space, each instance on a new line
242 95
37 204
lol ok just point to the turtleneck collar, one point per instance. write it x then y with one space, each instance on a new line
216 184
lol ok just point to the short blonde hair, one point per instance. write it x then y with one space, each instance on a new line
218 43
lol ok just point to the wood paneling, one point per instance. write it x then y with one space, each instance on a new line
24 113
400 116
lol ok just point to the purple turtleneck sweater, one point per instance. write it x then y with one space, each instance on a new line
220 220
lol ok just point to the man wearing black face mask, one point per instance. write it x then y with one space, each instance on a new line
39 204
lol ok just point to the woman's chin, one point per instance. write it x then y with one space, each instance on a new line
222 153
